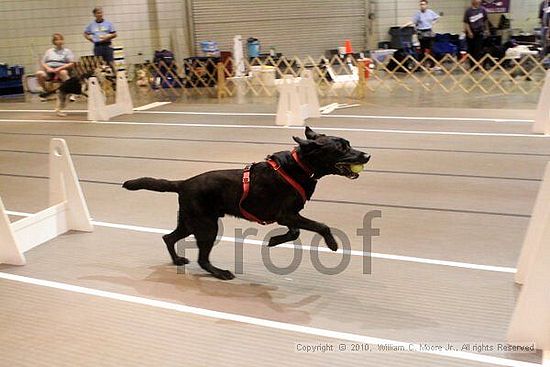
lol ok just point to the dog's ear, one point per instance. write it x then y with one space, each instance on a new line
312 135
301 141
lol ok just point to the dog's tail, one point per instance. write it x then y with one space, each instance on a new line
152 184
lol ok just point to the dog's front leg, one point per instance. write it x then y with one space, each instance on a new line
297 221
291 235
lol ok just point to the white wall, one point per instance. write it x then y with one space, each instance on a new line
398 12
142 25
145 25
524 14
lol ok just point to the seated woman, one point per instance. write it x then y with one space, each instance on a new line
55 64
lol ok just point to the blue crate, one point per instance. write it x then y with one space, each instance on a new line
17 71
10 86
4 71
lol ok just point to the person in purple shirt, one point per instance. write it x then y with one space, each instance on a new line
476 25
544 13
101 32
544 16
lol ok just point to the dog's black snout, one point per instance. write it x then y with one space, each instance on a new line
365 157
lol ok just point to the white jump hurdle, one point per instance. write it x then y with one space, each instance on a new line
99 110
531 319
68 211
542 118
298 100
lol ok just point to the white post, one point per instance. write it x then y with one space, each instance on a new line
289 108
64 187
534 237
96 101
542 118
68 211
123 100
531 318
240 89
9 251
298 100
311 97
238 56
99 110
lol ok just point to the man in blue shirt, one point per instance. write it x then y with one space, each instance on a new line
100 32
424 20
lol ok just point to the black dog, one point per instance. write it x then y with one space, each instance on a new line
275 190
73 85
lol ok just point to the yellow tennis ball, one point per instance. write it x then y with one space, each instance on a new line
356 168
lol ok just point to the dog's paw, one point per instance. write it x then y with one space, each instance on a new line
331 244
273 241
223 274
180 261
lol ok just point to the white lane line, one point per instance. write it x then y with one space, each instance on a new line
150 105
367 117
219 315
270 127
43 111
454 264
426 118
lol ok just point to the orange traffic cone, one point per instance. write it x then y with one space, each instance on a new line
349 49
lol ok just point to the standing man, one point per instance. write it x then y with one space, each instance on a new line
424 21
544 12
100 32
476 24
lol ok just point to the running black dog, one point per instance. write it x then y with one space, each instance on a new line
271 191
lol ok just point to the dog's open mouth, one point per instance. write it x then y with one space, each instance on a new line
349 170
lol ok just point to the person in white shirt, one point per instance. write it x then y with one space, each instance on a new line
424 21
56 63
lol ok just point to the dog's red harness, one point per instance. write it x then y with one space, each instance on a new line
277 168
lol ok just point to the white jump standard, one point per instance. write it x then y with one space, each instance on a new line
99 110
531 318
298 100
68 211
542 117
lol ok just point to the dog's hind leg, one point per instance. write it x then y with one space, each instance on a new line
61 101
171 239
206 235
291 235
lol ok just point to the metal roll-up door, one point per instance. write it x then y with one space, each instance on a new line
293 27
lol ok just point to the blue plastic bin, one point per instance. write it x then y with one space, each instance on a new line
17 71
4 70
253 47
